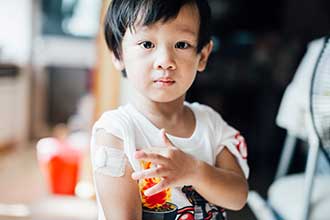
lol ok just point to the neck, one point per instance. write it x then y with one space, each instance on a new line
160 113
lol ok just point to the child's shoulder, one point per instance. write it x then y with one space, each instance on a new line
116 113
113 118
203 109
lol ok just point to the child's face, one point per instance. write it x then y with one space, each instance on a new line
161 59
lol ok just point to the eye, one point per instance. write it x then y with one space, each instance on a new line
147 44
182 45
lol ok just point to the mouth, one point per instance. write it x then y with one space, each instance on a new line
164 82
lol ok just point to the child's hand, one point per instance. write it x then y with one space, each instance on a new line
176 168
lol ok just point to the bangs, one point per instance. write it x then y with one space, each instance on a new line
147 12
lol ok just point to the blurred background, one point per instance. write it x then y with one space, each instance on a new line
56 78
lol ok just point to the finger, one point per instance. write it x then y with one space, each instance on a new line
151 157
162 185
138 154
149 173
166 140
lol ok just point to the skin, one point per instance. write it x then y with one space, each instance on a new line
161 64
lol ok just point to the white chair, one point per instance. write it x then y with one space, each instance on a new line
304 196
296 196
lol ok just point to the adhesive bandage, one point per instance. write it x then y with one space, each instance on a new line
110 161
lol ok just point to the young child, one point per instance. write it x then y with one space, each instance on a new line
198 159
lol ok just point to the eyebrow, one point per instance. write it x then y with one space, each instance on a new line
180 28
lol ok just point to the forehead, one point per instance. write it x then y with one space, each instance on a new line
187 20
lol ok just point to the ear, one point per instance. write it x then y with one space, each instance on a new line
205 53
119 65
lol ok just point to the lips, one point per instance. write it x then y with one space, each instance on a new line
164 82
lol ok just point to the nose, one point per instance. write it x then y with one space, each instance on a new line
164 59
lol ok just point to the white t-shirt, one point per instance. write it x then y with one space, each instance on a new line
211 135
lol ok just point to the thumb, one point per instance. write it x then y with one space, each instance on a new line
166 140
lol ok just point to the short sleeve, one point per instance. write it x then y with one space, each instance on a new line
227 136
110 123
118 124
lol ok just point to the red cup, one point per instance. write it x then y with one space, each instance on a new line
60 164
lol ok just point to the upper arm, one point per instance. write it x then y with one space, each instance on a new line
226 160
119 196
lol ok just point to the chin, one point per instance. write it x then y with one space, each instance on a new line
164 99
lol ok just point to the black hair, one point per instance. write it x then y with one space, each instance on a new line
123 14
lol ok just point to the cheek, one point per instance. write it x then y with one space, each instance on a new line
190 79
191 57
137 77
188 75
191 65
190 72
134 68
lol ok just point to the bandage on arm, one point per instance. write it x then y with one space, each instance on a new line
108 155
118 192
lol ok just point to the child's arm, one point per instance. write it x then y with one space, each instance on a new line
119 196
224 185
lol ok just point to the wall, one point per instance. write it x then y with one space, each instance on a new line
15 44
15 30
